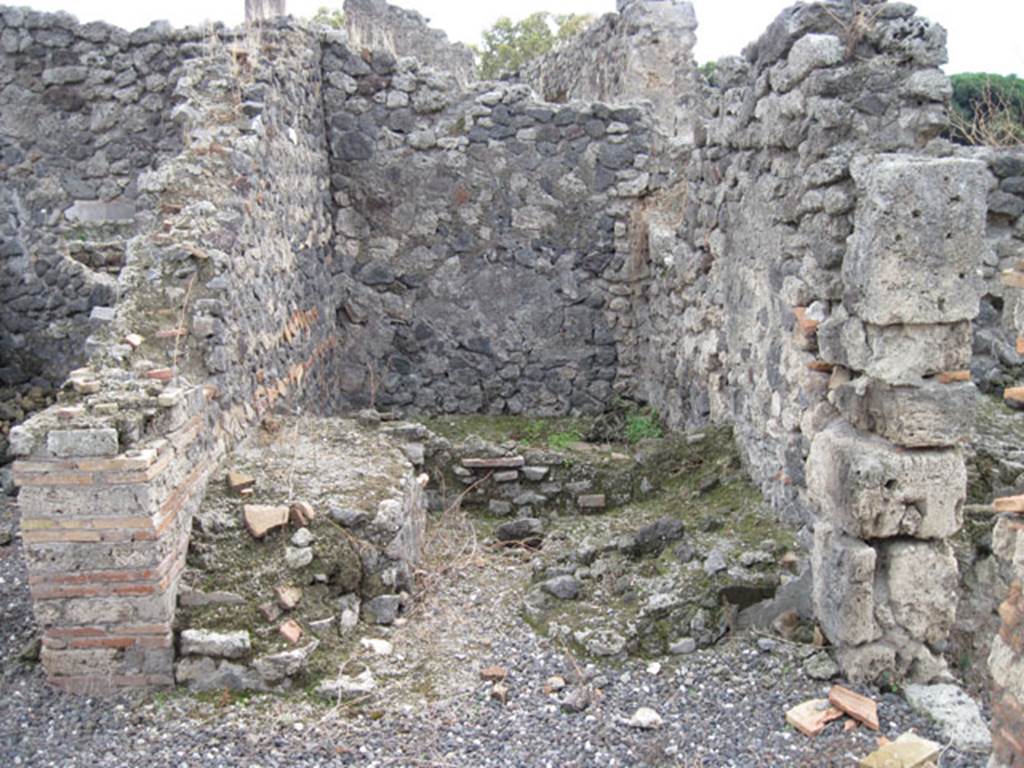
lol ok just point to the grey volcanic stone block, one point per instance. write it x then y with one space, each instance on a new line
935 415
918 238
873 489
844 584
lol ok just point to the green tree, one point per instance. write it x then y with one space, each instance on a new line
987 109
329 17
508 44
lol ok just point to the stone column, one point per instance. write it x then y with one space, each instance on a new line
888 478
262 10
106 531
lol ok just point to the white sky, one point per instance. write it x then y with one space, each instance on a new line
984 35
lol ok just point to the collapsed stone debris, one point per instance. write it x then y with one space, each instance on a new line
203 232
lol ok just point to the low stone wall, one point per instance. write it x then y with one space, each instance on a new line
643 51
375 25
482 240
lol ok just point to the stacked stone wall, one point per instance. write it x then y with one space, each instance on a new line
375 25
998 359
226 312
1006 661
84 110
482 240
645 51
799 286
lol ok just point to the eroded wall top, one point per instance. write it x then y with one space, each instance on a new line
376 25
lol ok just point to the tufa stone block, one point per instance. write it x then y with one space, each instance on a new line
896 354
227 645
908 751
920 581
844 584
82 443
919 234
934 415
872 489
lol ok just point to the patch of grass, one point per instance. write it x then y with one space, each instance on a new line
643 425
526 432
561 441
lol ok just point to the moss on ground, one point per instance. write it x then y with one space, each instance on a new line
707 491
556 433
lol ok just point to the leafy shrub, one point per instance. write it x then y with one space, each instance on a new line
508 45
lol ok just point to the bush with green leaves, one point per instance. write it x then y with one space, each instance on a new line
508 45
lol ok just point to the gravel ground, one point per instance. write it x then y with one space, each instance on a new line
723 707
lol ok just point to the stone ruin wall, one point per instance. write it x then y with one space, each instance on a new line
1006 661
84 109
225 313
645 50
775 307
376 25
495 280
280 258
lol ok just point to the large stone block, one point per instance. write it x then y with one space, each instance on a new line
82 443
919 234
873 489
917 589
895 354
934 415
844 583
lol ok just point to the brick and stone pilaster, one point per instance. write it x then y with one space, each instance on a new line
105 537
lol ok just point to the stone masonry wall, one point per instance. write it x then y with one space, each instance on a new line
482 240
998 360
645 51
84 109
340 228
225 312
1006 661
770 302
375 25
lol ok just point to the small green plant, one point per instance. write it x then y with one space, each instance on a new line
643 424
561 441
532 432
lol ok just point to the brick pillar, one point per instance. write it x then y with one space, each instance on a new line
261 10
105 533
888 478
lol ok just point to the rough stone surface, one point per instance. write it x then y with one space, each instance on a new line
957 713
872 489
231 645
939 233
